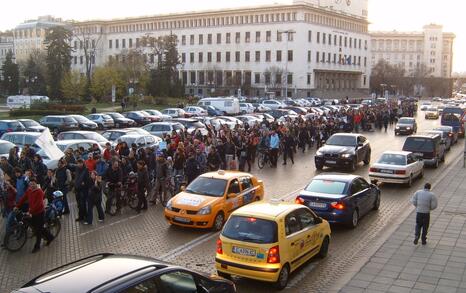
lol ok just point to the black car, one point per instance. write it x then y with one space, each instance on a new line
344 150
121 121
340 198
84 122
138 117
281 112
123 273
58 123
406 125
428 147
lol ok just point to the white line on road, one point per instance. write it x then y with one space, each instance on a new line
187 246
290 194
111 224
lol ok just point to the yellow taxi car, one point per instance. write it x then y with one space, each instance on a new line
210 199
266 241
432 113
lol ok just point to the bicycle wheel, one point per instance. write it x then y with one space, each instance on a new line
53 226
261 161
16 238
133 201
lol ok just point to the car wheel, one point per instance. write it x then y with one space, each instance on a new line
319 166
324 247
224 275
367 160
353 223
100 126
410 181
283 278
218 222
421 174
376 203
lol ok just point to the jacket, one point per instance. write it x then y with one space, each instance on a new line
424 201
81 180
35 198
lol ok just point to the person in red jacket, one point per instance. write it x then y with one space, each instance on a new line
91 162
35 197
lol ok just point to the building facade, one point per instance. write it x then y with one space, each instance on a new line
308 48
431 49
6 45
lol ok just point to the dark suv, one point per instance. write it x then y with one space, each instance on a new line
428 147
59 123
344 150
122 273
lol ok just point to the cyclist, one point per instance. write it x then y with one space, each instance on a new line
114 179
35 197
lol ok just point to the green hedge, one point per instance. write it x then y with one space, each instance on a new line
59 107
40 112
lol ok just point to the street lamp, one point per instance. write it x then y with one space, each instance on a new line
287 32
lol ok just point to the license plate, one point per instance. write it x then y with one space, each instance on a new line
386 171
418 154
243 251
331 162
313 204
183 220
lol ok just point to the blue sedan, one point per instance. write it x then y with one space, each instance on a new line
340 198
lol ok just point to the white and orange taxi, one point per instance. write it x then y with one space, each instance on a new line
266 241
210 199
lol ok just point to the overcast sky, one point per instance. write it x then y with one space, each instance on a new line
383 14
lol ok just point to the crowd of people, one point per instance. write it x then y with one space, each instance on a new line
92 173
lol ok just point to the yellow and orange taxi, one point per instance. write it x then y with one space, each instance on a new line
210 199
266 241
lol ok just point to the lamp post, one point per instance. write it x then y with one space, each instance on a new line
287 32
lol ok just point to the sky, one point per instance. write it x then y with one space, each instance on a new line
401 15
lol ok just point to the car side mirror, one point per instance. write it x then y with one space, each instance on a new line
318 221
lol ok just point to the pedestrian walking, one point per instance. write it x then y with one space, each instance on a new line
424 201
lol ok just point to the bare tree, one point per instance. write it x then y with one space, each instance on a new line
89 37
276 76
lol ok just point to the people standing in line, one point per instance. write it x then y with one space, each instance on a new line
81 189
35 198
143 185
94 198
425 201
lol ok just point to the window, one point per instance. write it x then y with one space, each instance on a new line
228 38
292 224
290 78
258 56
309 78
350 42
309 56
237 56
117 44
201 39
267 77
201 57
183 40
306 218
324 37
219 38
247 56
177 281
309 36
279 36
346 42
130 43
317 57
237 38
219 57
247 37
183 57
268 36
227 56
318 37
260 231
246 183
268 55
191 57
356 186
123 43
234 187
81 59
110 44
278 78
257 78
258 37
279 55
137 42
340 42
209 56
290 55
191 39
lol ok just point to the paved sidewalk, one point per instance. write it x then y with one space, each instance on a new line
440 266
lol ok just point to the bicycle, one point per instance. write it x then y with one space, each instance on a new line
17 232
128 197
263 158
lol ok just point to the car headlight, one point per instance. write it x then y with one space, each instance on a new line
398 127
408 128
346 156
319 153
169 205
205 211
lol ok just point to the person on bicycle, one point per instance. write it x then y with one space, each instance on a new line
35 197
143 186
114 179
160 177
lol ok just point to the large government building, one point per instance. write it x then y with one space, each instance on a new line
308 48
431 47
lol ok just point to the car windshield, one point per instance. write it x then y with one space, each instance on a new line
95 136
69 119
196 124
207 186
418 144
392 159
250 229
326 186
81 119
405 121
342 140
5 147
108 134
14 124
116 115
154 112
29 123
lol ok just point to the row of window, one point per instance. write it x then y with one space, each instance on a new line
82 59
342 59
336 22
237 56
228 78
247 38
83 44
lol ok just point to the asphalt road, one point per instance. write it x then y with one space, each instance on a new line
148 233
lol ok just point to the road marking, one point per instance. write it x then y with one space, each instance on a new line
290 194
302 274
111 224
187 246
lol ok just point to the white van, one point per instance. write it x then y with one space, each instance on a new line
228 105
14 102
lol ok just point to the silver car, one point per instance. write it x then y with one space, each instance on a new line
161 128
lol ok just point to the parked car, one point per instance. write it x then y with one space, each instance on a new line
397 167
32 125
344 150
84 122
73 144
58 123
212 111
159 114
121 121
228 105
340 198
153 118
103 121
429 147
161 128
281 112
192 125
141 141
5 147
450 131
261 108
246 108
267 117
406 125
249 119
267 241
79 135
233 120
195 111
113 134
11 126
175 113
432 113
297 109
274 104
445 138
124 273
138 117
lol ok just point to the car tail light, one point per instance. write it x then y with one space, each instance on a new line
299 200
274 255
337 206
219 246
373 170
400 172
